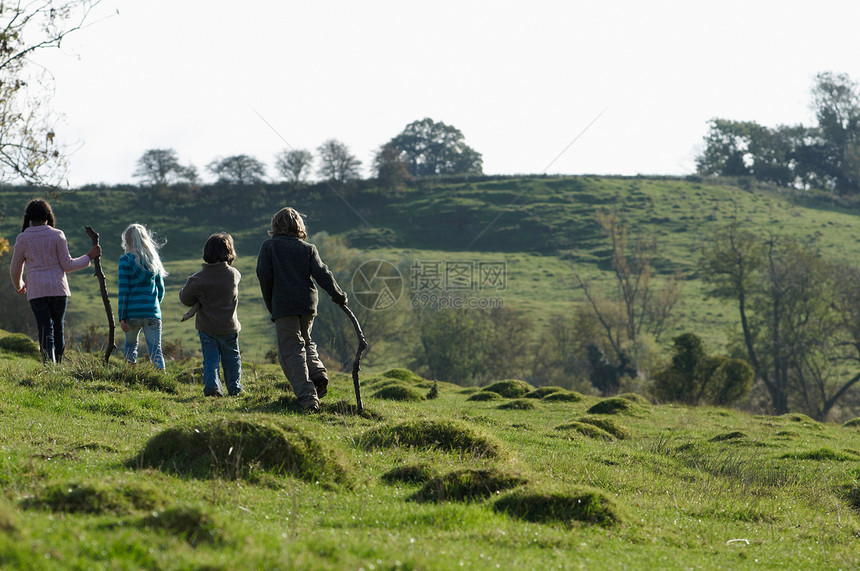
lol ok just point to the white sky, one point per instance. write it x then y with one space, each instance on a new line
520 79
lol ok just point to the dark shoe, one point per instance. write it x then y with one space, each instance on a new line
213 394
321 383
311 409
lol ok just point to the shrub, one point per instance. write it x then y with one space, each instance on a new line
449 436
510 389
583 504
434 391
693 376
466 485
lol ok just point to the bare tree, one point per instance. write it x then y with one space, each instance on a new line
238 169
160 167
337 162
635 306
28 151
294 164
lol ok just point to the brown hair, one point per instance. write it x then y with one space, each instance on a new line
38 211
288 222
219 248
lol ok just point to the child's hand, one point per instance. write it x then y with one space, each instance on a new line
123 325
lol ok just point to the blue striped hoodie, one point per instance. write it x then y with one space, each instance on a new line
140 291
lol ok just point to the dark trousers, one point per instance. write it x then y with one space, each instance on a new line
50 315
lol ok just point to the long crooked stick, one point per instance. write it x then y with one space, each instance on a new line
99 273
356 365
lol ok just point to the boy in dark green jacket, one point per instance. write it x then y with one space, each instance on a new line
285 266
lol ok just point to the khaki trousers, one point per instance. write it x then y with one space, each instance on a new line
298 356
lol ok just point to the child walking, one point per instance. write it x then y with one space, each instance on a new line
42 248
141 291
285 267
214 293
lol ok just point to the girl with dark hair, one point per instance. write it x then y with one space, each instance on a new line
42 249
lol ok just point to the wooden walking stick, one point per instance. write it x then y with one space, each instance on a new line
356 365
99 273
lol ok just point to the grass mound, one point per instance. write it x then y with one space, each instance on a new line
734 435
447 436
510 389
409 474
97 498
518 404
582 504
619 431
20 344
825 454
485 396
615 405
541 392
466 485
8 519
90 368
402 375
239 448
564 396
586 429
853 423
633 397
398 392
190 523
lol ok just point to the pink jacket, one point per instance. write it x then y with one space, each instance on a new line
44 251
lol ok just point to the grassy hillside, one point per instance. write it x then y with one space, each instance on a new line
542 228
119 468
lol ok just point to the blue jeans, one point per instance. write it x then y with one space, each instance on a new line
221 350
151 332
50 315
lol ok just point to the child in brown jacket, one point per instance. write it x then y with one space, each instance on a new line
214 293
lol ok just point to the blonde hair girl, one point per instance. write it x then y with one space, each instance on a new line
141 291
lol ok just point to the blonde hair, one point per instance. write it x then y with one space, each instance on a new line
138 241
288 222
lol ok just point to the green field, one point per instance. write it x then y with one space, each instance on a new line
542 228
118 468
